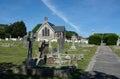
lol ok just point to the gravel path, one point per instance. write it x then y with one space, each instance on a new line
105 61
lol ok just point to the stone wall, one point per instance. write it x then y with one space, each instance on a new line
63 72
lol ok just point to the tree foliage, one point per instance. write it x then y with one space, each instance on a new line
95 39
36 28
70 33
3 31
16 29
108 39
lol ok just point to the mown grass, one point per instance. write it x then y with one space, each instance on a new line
17 54
116 49
14 54
86 50
89 54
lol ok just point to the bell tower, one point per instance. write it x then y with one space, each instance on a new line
45 20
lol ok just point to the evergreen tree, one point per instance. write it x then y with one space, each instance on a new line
18 29
3 31
36 28
95 39
70 33
107 38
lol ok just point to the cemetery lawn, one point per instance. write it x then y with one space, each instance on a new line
116 49
87 50
17 53
14 54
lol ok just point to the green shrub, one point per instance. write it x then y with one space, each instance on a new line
108 38
95 39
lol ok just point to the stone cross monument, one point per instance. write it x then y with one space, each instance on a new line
73 42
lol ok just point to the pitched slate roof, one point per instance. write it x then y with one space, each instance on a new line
51 24
57 28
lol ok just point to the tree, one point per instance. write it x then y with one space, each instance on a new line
3 31
70 33
95 39
110 38
18 29
36 28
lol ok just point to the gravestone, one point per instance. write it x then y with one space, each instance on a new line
25 43
50 43
50 46
29 56
118 41
6 39
42 54
60 42
80 43
10 37
50 60
43 49
73 42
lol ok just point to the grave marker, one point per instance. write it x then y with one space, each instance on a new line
73 42
118 41
29 56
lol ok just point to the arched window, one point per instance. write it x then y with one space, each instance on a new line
45 32
48 32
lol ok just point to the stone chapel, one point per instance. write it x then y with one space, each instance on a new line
48 31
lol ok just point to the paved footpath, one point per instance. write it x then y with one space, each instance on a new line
105 61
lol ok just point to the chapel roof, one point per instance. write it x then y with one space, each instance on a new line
59 28
55 28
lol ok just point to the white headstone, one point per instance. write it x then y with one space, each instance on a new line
118 42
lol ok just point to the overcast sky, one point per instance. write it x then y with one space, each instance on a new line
82 16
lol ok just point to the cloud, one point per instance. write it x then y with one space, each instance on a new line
59 14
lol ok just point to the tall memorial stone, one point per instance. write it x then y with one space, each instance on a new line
60 42
30 41
25 42
73 42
